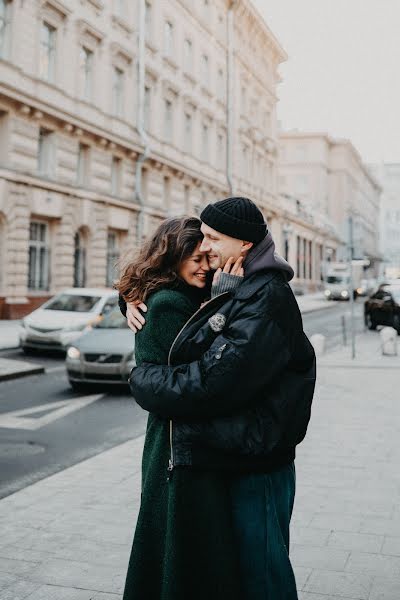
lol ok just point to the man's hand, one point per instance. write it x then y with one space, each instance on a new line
231 267
134 316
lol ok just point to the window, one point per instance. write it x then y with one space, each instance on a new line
220 151
168 38
147 107
79 260
168 121
116 165
86 72
166 192
188 56
148 19
118 91
112 258
188 132
39 256
204 142
5 21
46 153
47 62
220 84
82 174
205 70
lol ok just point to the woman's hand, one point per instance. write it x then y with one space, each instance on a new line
134 316
231 267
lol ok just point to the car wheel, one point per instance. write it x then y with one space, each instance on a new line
396 323
369 322
28 351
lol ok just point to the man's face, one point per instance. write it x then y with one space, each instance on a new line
219 247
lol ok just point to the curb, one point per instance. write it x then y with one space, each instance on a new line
316 309
19 374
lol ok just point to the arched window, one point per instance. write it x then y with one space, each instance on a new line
79 260
112 257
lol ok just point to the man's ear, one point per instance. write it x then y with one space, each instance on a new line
246 246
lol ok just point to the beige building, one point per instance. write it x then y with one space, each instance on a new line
114 114
388 174
329 177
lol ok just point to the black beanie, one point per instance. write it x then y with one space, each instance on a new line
237 217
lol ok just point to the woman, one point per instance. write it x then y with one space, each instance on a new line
183 547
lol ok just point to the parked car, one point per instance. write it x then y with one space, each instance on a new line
64 317
105 354
383 307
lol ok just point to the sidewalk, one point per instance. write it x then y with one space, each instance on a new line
9 334
68 537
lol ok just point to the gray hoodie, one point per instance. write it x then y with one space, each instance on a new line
263 256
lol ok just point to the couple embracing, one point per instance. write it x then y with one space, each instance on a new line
227 376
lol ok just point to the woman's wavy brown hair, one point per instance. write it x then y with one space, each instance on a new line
157 262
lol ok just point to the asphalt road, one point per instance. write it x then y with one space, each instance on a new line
46 427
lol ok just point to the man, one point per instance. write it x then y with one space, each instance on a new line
244 369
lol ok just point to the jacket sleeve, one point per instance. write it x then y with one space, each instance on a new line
241 361
122 305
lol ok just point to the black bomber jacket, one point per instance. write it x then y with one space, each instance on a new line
240 381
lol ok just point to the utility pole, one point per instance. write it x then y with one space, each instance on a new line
351 290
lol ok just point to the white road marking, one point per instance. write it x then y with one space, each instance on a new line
17 419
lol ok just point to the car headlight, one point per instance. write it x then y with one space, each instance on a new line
344 294
327 292
73 353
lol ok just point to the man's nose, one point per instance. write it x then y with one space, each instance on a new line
205 247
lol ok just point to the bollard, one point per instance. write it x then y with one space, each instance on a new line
389 341
318 342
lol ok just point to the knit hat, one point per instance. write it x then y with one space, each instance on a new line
237 217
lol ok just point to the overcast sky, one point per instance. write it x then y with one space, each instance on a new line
343 71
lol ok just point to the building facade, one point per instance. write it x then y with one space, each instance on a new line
388 174
329 177
115 114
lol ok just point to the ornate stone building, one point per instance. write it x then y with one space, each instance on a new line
329 178
388 174
114 114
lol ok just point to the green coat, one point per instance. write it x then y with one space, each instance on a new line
184 546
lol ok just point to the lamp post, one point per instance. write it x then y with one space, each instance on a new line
287 231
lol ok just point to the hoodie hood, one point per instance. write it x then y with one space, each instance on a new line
263 257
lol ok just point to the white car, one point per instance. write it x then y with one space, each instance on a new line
64 317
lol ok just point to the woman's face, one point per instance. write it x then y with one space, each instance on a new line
194 269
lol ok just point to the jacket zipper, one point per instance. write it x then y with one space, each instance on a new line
171 445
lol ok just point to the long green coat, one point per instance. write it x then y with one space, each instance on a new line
184 546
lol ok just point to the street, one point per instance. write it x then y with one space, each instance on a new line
46 427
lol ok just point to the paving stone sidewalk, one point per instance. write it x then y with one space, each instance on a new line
68 537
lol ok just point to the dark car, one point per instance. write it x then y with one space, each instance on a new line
383 307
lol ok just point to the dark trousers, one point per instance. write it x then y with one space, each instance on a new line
262 507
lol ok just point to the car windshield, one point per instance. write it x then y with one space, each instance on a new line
337 279
113 320
73 303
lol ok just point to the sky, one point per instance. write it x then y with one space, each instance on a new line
342 75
